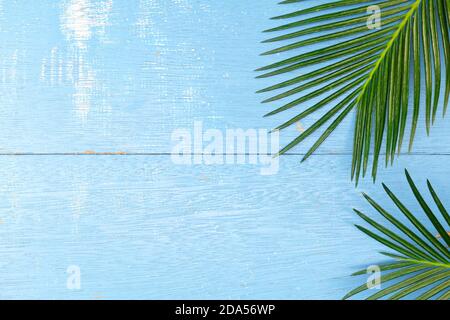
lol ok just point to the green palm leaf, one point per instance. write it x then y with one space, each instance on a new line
374 71
422 260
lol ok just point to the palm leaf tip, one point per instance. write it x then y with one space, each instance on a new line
421 269
410 48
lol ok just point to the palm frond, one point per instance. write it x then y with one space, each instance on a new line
375 71
422 259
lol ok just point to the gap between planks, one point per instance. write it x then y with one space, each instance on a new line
194 154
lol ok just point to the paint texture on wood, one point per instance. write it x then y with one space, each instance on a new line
90 94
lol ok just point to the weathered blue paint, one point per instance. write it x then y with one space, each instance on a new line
87 76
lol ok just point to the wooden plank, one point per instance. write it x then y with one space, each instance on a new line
122 76
141 227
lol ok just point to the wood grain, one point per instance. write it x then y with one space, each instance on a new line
140 227
90 93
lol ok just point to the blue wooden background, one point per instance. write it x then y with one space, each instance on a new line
83 77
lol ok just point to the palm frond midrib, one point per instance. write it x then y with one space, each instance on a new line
389 45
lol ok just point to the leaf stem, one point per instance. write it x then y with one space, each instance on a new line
389 45
428 263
